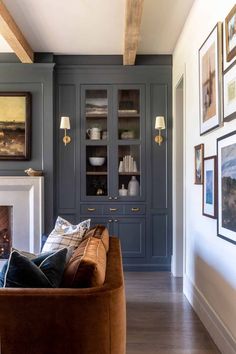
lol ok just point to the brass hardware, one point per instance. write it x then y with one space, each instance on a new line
66 139
135 209
113 209
159 138
91 209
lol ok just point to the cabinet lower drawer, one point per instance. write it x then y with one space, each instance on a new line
92 209
113 209
135 209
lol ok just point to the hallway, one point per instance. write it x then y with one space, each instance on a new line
159 318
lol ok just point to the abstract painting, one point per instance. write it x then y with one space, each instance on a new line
209 187
226 146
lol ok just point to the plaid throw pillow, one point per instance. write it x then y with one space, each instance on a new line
65 234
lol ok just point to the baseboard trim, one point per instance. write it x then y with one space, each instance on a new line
215 326
146 267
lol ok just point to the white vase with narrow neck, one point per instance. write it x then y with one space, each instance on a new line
133 187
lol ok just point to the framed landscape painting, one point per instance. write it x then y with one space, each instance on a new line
230 93
226 151
209 202
210 81
15 122
230 34
198 163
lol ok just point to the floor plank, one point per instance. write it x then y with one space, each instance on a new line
159 318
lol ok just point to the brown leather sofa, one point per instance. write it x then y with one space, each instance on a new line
67 321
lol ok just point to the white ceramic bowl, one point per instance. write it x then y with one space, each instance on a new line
96 161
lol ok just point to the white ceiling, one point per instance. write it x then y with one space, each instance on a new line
96 26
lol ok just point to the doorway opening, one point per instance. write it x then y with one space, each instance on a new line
178 181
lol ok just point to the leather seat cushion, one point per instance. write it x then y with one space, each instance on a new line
101 232
87 266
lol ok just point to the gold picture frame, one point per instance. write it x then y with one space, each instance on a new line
230 34
15 125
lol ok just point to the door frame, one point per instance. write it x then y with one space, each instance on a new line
178 262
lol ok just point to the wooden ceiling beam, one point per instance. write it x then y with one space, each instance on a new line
14 37
133 16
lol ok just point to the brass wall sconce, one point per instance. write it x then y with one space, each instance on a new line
65 124
159 125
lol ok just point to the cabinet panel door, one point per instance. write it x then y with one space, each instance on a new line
131 232
102 221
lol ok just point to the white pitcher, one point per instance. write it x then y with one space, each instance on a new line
94 133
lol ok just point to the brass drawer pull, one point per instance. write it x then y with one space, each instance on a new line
135 209
113 209
91 209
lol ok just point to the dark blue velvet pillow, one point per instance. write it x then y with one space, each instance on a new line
44 271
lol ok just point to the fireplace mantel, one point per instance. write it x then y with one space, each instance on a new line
26 196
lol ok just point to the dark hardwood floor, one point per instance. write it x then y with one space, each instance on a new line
159 318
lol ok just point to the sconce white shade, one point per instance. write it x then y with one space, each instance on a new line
160 123
65 123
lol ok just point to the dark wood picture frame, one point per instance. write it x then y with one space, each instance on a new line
198 163
226 154
209 190
15 125
230 52
210 60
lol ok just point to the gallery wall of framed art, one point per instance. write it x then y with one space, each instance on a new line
217 106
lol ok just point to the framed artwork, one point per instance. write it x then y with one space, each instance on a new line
230 93
198 163
230 34
226 151
210 81
209 200
15 123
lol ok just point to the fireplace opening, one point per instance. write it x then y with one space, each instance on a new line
5 231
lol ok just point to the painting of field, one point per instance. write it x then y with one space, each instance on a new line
13 120
228 185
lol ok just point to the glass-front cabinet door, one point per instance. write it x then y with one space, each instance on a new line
95 111
129 144
112 146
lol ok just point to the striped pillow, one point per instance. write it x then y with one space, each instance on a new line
65 234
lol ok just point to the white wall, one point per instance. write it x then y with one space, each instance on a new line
210 273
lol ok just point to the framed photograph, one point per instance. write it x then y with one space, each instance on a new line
230 93
198 163
15 123
226 151
209 200
230 34
210 81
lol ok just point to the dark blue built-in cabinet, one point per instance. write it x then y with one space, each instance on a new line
112 110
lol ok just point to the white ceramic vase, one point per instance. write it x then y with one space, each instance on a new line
133 187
